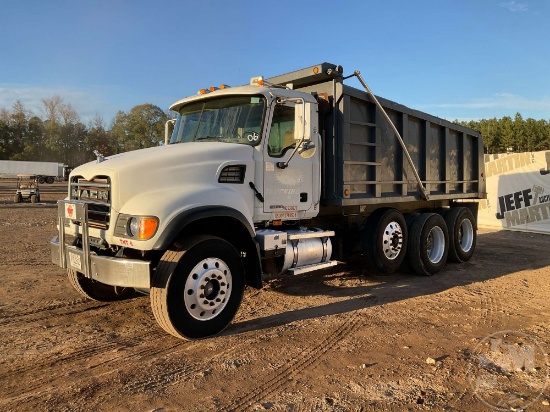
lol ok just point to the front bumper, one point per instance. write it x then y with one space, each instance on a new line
113 271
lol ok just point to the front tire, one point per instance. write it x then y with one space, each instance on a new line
197 288
97 291
428 244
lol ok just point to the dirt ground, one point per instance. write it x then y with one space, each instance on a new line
340 340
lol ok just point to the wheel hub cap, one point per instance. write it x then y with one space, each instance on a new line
207 289
392 240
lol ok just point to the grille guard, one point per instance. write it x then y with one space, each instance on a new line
105 269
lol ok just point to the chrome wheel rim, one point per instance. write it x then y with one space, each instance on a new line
466 235
207 289
436 244
392 240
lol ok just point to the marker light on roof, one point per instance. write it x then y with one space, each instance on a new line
257 81
224 86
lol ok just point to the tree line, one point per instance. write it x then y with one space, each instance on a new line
512 135
59 135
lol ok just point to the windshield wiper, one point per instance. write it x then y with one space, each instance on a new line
208 138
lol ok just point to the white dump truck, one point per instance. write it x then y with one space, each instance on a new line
284 175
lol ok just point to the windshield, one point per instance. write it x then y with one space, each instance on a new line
232 119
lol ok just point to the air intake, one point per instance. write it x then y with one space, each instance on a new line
232 174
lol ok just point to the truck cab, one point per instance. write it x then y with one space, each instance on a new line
240 162
276 130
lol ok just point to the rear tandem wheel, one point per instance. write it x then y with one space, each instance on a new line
428 244
386 239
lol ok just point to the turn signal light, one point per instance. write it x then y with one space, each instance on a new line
147 227
142 227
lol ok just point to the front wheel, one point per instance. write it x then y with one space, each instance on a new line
197 287
94 290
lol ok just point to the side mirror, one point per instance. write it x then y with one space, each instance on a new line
167 131
307 149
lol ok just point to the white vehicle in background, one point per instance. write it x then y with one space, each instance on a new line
45 172
283 175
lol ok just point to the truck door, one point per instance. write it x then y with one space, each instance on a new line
288 184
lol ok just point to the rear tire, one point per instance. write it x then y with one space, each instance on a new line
462 234
33 199
197 288
97 291
386 239
41 180
17 199
428 244
50 180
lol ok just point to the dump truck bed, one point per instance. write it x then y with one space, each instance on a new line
363 162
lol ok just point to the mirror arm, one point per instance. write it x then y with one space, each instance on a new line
284 165
166 126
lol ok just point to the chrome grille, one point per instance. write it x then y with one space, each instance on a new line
97 193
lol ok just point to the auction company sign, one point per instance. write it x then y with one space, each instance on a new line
518 192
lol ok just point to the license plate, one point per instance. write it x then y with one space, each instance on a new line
75 260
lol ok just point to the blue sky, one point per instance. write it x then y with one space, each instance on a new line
465 59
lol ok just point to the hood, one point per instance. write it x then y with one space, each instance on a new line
166 167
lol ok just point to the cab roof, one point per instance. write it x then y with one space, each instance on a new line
268 92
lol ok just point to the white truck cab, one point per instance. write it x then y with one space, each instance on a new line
240 162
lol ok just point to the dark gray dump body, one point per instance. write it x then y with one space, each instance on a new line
362 154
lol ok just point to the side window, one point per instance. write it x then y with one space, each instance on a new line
281 134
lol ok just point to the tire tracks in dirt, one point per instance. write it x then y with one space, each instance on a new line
34 388
277 380
57 364
10 318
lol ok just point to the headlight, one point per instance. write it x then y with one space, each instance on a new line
133 226
136 227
